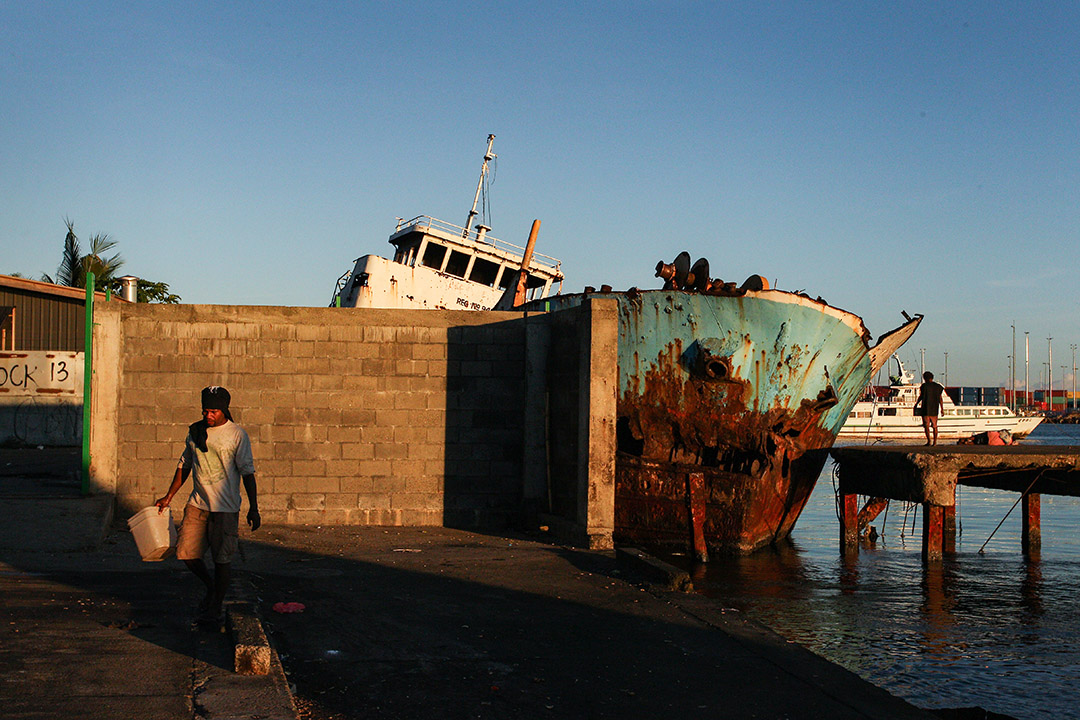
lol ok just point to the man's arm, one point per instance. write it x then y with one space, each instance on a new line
179 477
253 517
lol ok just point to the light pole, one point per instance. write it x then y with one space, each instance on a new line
1012 370
1042 380
1027 384
1050 373
1072 403
946 369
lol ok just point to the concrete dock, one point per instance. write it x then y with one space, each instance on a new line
929 475
398 622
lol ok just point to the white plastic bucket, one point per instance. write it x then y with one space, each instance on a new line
154 532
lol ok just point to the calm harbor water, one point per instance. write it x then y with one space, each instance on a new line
988 630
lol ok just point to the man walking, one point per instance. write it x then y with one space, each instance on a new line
218 452
929 405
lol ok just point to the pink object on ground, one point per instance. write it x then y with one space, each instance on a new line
288 607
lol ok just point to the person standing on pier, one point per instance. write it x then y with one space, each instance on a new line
929 405
218 452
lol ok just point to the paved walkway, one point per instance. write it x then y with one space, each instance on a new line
398 623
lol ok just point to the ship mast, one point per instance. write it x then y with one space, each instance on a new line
488 156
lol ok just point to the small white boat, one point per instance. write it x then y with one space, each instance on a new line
440 266
893 417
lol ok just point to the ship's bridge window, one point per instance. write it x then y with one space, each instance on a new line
457 264
433 255
484 272
886 411
508 277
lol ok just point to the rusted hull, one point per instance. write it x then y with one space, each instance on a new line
653 503
748 391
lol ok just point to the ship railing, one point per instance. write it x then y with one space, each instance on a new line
341 283
426 222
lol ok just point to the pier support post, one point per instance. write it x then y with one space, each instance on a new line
696 491
1031 537
849 525
933 524
948 529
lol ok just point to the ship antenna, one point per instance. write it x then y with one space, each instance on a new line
488 157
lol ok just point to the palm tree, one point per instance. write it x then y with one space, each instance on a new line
74 265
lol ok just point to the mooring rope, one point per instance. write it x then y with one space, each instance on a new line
1022 495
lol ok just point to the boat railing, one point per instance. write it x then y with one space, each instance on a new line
426 222
341 283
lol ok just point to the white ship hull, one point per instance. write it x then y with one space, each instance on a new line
869 421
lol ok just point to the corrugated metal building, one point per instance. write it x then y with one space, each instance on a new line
41 316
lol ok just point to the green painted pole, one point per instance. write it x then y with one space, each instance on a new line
88 371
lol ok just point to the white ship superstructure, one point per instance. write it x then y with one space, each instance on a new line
441 266
894 418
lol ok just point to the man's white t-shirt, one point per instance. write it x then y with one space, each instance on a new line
218 471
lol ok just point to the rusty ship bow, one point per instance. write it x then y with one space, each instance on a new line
728 401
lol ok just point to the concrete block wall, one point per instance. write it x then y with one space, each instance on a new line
359 416
356 416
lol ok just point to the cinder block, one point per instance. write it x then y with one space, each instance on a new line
140 363
410 401
411 367
311 365
429 351
309 468
269 501
342 434
373 501
381 335
329 381
307 332
395 384
405 434
418 518
392 418
341 468
374 367
309 433
387 484
412 502
156 450
346 333
363 382
426 451
373 468
346 501
391 451
407 468
378 433
357 451
424 484
356 484
307 501
306 517
396 351
320 484
251 648
279 331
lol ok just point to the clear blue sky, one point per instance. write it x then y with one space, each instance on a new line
885 156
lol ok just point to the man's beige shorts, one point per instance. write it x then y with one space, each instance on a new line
202 528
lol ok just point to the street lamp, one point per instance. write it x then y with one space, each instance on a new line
1072 403
946 369
1027 384
1012 370
1050 372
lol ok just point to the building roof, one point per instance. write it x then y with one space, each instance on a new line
36 286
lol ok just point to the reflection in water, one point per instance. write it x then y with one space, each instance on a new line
993 629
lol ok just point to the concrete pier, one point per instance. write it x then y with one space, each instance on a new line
929 476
